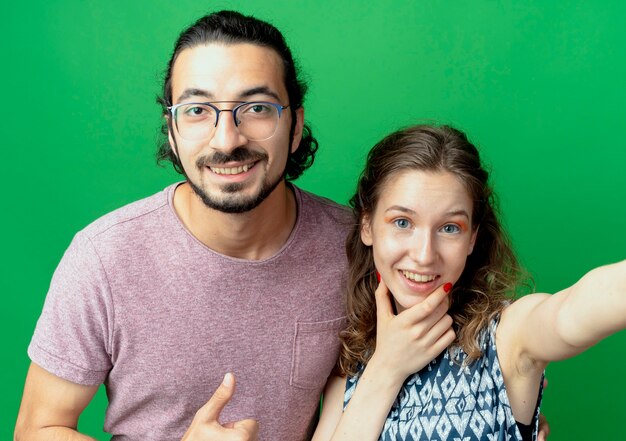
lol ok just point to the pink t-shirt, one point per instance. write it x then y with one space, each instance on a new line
139 304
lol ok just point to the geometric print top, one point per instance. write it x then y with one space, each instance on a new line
449 401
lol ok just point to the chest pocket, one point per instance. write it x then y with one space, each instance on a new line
315 352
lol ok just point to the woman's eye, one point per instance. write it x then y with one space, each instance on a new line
450 228
402 223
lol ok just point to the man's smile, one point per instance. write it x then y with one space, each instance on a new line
231 170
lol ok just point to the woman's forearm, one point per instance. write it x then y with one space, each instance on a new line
365 414
595 306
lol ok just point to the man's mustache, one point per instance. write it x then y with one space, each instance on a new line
240 154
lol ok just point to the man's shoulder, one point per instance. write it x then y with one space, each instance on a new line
132 215
317 206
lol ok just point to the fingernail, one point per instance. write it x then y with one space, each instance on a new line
447 287
228 379
378 276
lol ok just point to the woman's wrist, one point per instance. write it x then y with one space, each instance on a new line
386 370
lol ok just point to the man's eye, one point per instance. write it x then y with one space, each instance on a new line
257 109
450 228
402 223
195 111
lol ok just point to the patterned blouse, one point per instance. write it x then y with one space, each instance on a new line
449 401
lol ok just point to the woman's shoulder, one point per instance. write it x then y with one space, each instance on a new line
515 312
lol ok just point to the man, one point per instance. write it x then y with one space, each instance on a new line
234 271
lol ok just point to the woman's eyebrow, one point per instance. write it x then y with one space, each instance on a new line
400 208
458 213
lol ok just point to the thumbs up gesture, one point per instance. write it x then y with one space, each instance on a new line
206 425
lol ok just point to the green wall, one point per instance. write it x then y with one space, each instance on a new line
538 85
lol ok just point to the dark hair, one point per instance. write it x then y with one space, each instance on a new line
491 273
231 27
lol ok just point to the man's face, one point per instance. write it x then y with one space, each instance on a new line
229 172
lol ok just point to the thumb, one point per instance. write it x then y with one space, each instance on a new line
384 310
222 395
249 426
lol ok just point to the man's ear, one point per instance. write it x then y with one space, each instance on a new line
170 137
366 230
297 130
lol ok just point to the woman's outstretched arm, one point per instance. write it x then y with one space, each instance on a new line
555 327
540 328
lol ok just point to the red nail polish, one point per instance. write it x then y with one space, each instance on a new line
447 287
378 276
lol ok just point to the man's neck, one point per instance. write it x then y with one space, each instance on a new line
255 235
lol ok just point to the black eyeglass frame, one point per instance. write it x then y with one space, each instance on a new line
218 111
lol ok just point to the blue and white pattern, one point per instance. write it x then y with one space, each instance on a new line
450 401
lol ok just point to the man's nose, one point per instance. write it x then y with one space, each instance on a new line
226 135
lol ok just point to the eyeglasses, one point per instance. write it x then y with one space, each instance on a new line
256 120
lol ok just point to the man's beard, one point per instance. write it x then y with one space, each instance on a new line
233 202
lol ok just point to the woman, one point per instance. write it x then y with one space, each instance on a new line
428 235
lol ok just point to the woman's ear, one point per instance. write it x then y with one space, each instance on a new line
473 240
366 230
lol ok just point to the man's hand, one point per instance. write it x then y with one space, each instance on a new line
206 426
407 342
544 426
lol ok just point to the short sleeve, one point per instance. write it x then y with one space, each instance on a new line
73 334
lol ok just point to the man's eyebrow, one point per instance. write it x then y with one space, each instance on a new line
260 90
194 92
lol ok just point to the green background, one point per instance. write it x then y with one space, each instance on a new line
538 85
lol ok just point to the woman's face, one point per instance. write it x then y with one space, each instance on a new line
420 232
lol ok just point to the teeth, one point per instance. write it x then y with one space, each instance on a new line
418 277
231 170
